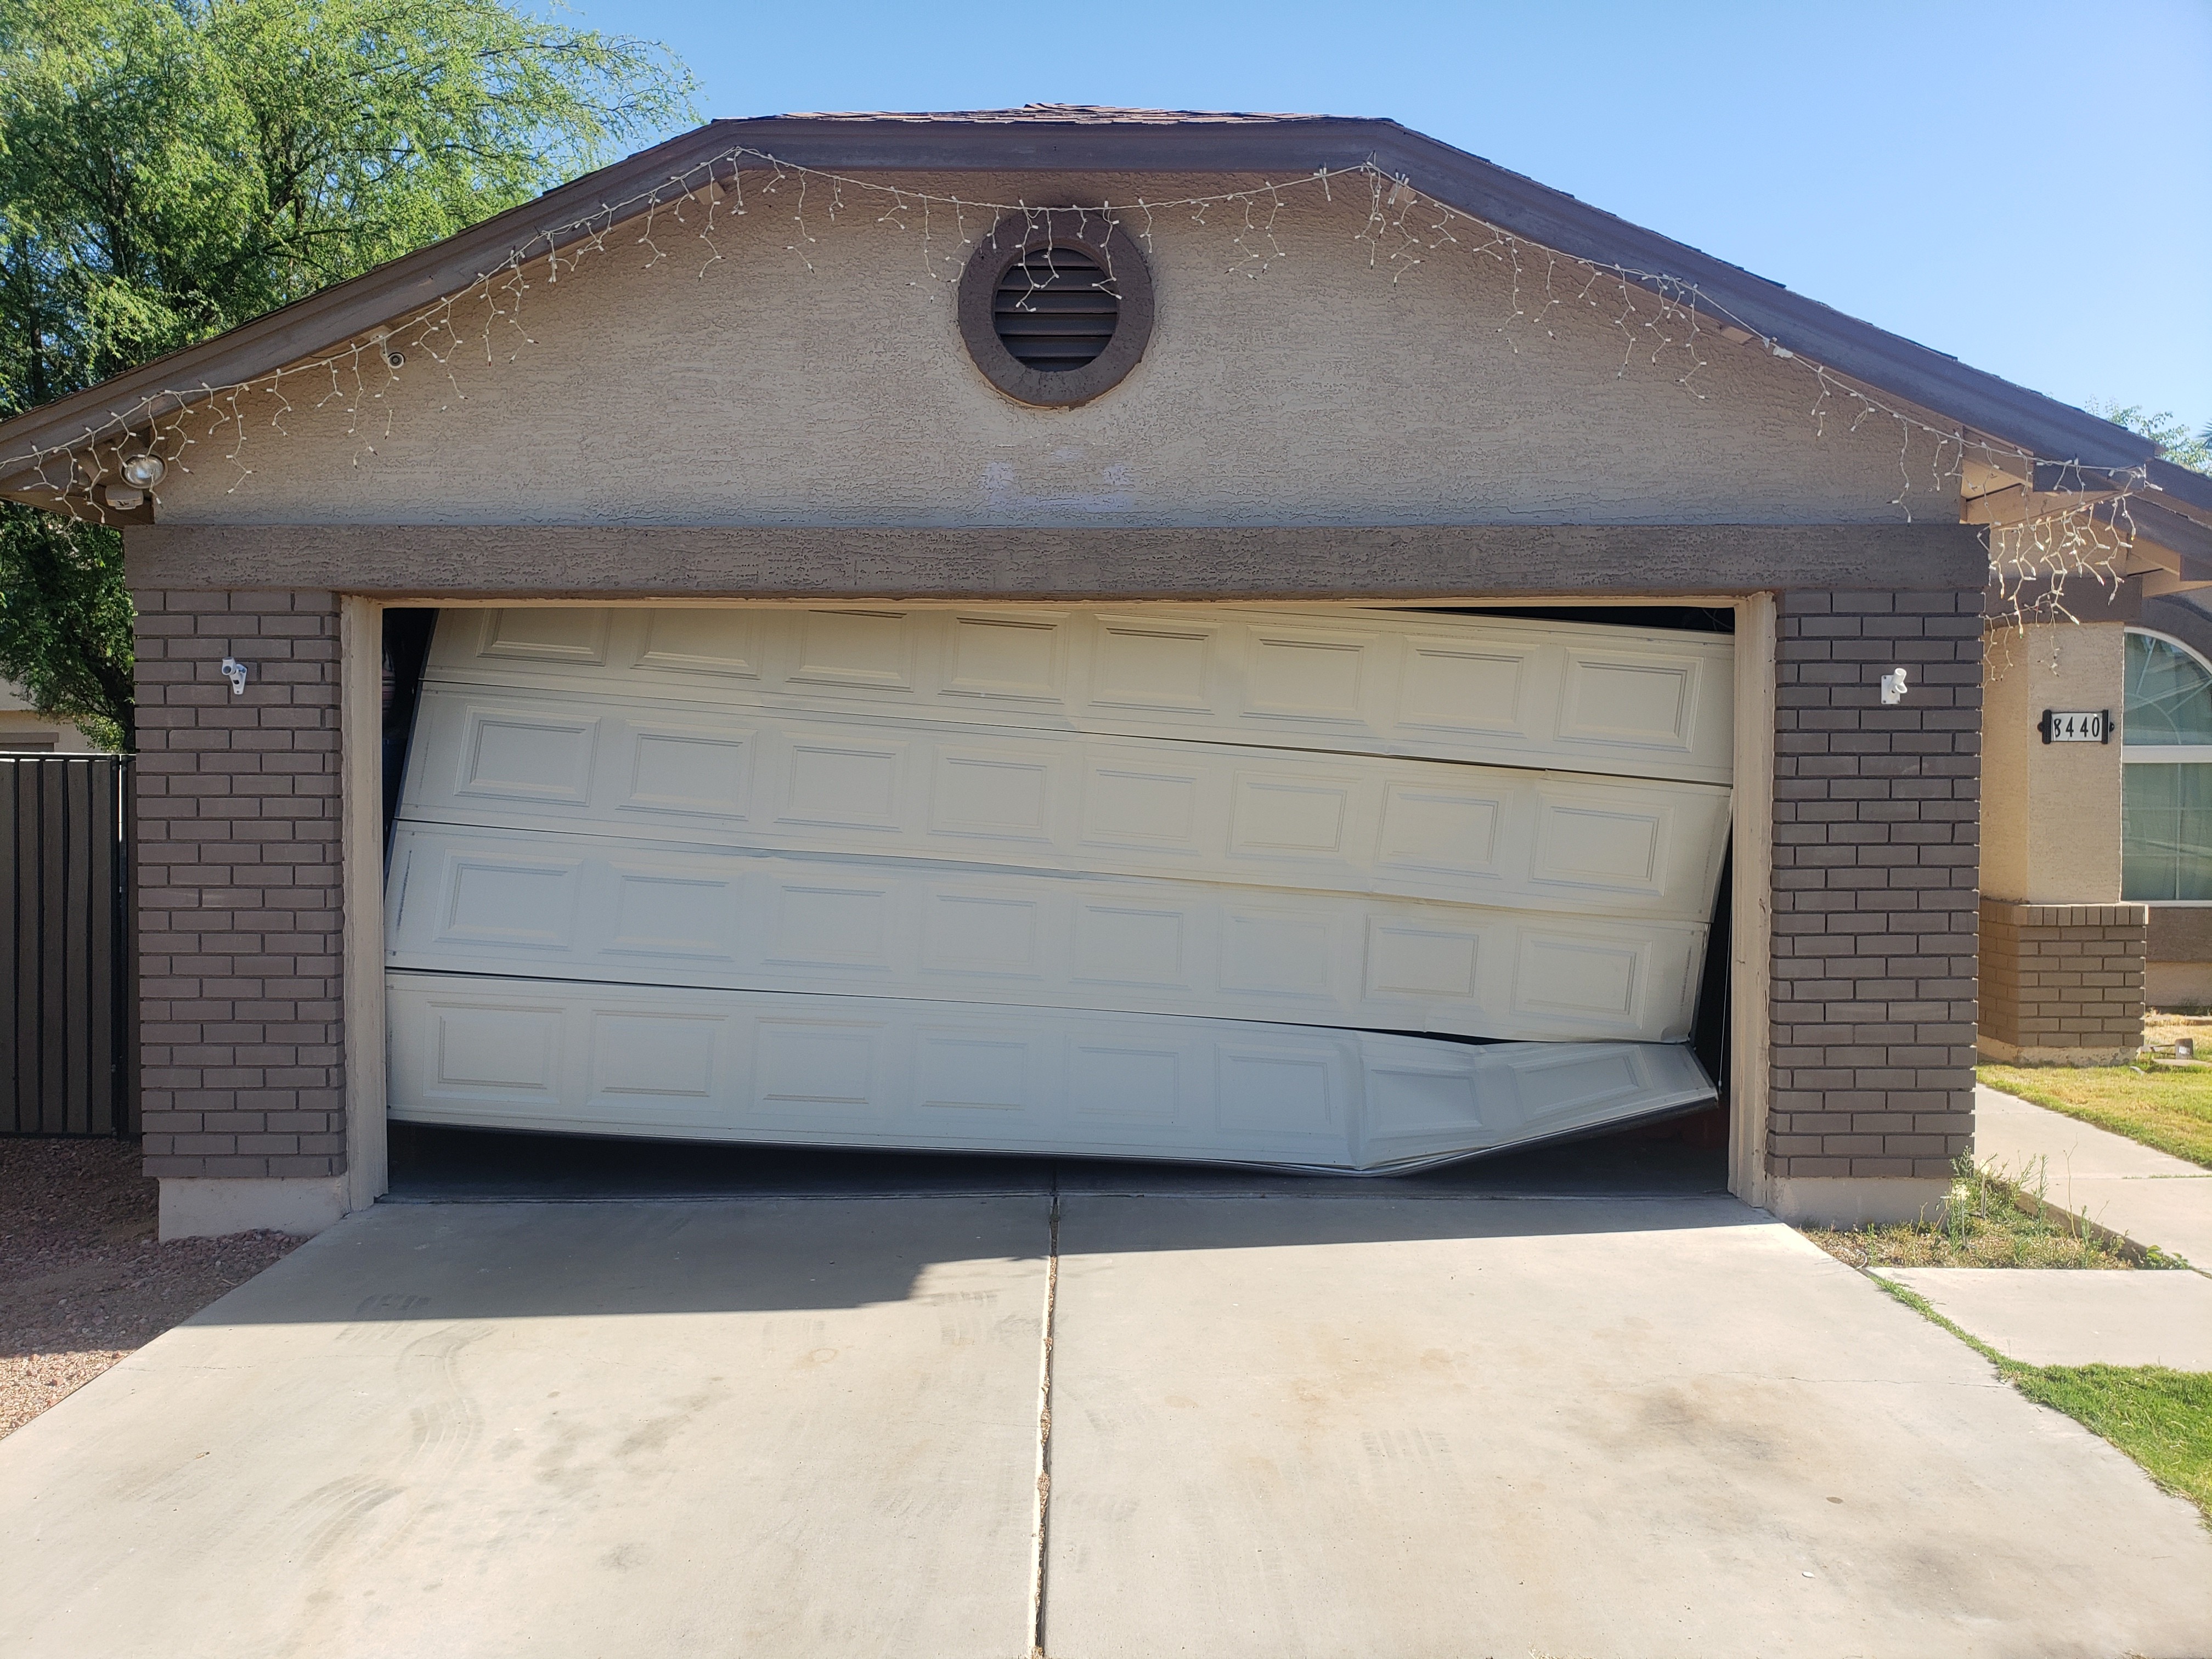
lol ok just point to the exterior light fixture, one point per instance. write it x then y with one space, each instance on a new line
143 472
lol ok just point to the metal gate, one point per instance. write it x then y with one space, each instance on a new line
65 946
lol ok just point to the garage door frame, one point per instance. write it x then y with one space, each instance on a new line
360 737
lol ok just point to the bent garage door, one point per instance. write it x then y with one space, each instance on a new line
1185 881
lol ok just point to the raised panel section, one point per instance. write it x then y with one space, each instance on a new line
977 1074
1279 1094
817 924
669 1056
1131 945
1155 666
689 772
993 934
723 643
658 914
1500 690
650 913
1438 828
833 1067
511 898
1409 959
1454 686
841 786
1001 796
872 650
1135 805
1277 954
1307 676
1015 657
831 783
872 1071
1130 1082
568 634
1599 846
513 755
1595 979
1287 814
1615 701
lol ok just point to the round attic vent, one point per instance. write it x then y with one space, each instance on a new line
1059 313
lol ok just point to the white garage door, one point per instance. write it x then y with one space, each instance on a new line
1073 828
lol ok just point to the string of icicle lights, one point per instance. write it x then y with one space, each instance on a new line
1663 322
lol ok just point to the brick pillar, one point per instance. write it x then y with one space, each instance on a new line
240 918
2063 982
1875 905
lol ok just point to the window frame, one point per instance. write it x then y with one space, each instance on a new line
2171 754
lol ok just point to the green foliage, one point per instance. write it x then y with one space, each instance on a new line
2174 440
65 620
172 169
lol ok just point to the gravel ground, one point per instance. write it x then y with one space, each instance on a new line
84 1282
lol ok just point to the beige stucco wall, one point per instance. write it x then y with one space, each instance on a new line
2050 812
1328 389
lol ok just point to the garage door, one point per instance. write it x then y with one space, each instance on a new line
911 877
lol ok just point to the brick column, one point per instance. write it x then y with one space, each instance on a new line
2063 982
239 919
1875 906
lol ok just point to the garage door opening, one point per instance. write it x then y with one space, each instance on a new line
1348 889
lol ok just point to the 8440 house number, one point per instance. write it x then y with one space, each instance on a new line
2075 725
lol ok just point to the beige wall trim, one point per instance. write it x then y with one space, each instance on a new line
213 1206
360 742
2011 1054
1854 1200
1751 901
2015 915
1349 562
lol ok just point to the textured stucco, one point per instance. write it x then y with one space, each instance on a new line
1328 389
2050 812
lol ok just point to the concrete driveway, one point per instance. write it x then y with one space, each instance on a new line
1281 1422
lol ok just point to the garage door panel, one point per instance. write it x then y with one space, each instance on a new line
1467 688
645 913
827 782
780 1067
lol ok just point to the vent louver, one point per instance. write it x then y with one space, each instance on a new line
1055 310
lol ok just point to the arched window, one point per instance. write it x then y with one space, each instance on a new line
2166 814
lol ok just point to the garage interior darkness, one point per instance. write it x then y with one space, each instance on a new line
1673 1148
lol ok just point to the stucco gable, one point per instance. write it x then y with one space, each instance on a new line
813 372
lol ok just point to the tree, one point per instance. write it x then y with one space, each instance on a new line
172 169
2164 429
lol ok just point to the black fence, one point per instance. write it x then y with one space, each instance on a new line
65 1060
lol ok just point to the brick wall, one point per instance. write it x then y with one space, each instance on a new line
1875 861
237 852
2063 982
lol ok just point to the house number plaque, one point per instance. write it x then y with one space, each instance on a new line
2075 725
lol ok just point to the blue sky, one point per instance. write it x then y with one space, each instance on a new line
2025 185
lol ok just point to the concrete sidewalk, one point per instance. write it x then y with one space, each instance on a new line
1280 1425
2149 1196
2060 1316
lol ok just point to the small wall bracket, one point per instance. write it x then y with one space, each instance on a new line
236 671
1893 686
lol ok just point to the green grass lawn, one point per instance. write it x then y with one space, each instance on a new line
2167 1107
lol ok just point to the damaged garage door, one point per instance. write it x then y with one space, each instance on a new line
826 854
